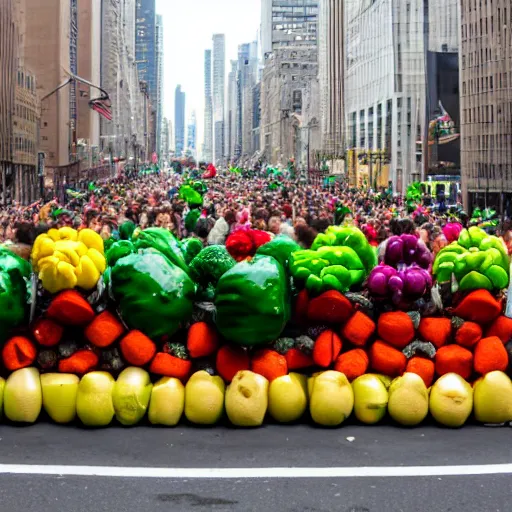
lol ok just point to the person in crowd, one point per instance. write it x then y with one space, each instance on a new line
222 228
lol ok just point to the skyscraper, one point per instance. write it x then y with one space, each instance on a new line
266 28
179 121
385 109
231 123
208 108
486 103
145 49
219 83
119 76
192 134
289 23
159 77
331 60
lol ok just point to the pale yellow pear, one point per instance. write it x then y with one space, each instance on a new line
288 397
59 396
94 405
451 400
2 388
131 394
23 398
204 398
167 402
492 398
247 399
331 398
408 400
370 398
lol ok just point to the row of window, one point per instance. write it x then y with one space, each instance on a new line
486 113
25 145
482 170
26 81
486 24
381 122
481 56
486 141
26 113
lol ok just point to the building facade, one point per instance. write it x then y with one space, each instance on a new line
331 63
89 68
19 110
126 136
248 65
219 84
8 71
444 26
288 23
159 77
192 135
179 121
385 91
146 46
165 141
486 103
231 112
208 108
289 126
48 56
266 28
25 132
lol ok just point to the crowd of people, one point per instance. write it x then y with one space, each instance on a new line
275 205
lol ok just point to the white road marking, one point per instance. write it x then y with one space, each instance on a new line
247 473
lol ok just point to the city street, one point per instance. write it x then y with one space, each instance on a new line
350 469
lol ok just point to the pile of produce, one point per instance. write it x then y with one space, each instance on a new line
165 329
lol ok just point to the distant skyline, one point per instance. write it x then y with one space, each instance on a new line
188 29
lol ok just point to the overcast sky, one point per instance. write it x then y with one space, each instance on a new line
188 29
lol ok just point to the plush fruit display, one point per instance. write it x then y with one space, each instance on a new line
170 331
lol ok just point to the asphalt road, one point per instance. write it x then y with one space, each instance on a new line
272 446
